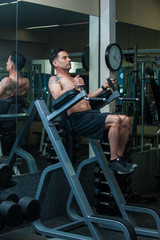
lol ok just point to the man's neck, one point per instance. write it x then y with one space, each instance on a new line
61 72
14 74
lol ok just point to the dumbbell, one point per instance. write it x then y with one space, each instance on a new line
101 183
99 174
31 208
102 186
10 210
106 207
51 158
105 204
102 195
5 174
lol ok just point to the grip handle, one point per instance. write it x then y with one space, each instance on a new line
111 84
81 88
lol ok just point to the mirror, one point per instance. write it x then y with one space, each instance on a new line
140 77
47 28
8 29
34 30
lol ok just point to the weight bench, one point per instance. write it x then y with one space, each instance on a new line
11 111
94 222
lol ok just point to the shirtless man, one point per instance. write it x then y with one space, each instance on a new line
14 85
86 122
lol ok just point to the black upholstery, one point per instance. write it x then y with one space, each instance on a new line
11 105
64 98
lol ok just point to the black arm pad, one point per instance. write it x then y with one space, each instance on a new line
64 98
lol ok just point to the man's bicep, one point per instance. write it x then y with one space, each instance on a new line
55 88
4 84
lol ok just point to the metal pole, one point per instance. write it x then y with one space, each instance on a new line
142 105
135 70
134 125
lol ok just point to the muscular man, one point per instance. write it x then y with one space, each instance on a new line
86 122
14 85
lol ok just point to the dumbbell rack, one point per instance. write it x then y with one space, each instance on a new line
92 221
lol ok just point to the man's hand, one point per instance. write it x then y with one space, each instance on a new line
106 84
79 82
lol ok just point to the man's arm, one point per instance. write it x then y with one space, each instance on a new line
101 89
56 88
6 84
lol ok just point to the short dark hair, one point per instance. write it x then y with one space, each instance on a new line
54 54
18 59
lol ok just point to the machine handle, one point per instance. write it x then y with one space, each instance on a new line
81 88
111 84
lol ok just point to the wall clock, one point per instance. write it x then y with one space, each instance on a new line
113 57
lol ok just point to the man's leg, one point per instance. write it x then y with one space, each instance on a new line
115 135
113 123
124 133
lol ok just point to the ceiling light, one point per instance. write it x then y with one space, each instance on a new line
48 26
72 24
3 4
56 25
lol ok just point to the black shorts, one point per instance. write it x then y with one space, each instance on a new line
88 124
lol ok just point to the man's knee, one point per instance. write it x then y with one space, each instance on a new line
113 120
126 122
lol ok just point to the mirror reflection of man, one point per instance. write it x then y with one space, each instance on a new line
14 84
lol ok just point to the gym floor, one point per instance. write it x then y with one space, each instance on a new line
26 231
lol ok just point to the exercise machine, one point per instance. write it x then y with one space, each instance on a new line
88 217
125 209
9 115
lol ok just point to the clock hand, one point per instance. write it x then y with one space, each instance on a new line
115 58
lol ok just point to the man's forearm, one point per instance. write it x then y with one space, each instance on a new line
96 92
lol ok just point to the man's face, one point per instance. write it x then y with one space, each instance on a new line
62 61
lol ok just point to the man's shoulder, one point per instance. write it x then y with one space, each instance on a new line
25 80
55 79
52 78
5 81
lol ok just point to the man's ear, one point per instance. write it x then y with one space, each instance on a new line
55 63
13 65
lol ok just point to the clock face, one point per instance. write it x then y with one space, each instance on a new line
113 57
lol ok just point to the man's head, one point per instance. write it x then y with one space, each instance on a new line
18 59
60 58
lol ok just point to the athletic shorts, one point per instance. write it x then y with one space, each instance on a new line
88 124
